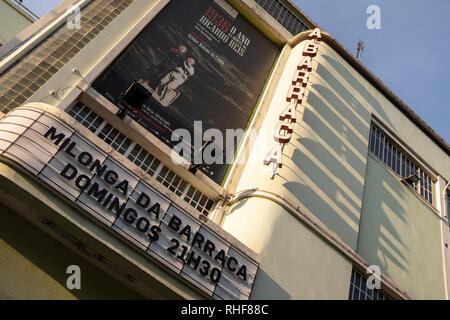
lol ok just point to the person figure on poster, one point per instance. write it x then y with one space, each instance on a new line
175 58
175 78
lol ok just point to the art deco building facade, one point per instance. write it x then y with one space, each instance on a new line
330 174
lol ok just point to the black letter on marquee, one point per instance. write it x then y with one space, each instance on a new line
123 186
79 179
198 239
154 233
108 178
155 210
99 169
70 148
96 193
221 257
87 158
190 259
143 200
146 224
132 219
242 272
229 263
186 231
71 175
115 204
209 247
215 275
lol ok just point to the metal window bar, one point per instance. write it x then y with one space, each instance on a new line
360 291
283 15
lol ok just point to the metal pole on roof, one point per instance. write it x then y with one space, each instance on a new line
360 48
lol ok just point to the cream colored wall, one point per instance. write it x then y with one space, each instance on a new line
11 22
33 266
295 262
401 234
315 177
324 163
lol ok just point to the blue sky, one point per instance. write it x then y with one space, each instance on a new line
410 53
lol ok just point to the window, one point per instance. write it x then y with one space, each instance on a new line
144 160
360 291
402 164
141 157
283 15
24 78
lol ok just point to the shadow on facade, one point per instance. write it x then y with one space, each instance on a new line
329 154
266 288
52 259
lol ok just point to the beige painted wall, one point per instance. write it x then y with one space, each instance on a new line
401 234
295 262
324 163
11 22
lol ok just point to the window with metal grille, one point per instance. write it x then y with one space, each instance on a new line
360 291
86 117
114 138
283 15
384 149
141 157
198 200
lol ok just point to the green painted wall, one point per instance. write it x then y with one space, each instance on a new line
295 262
323 174
11 22
401 234
33 266
155 281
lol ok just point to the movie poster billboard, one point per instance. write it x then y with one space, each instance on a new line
199 60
